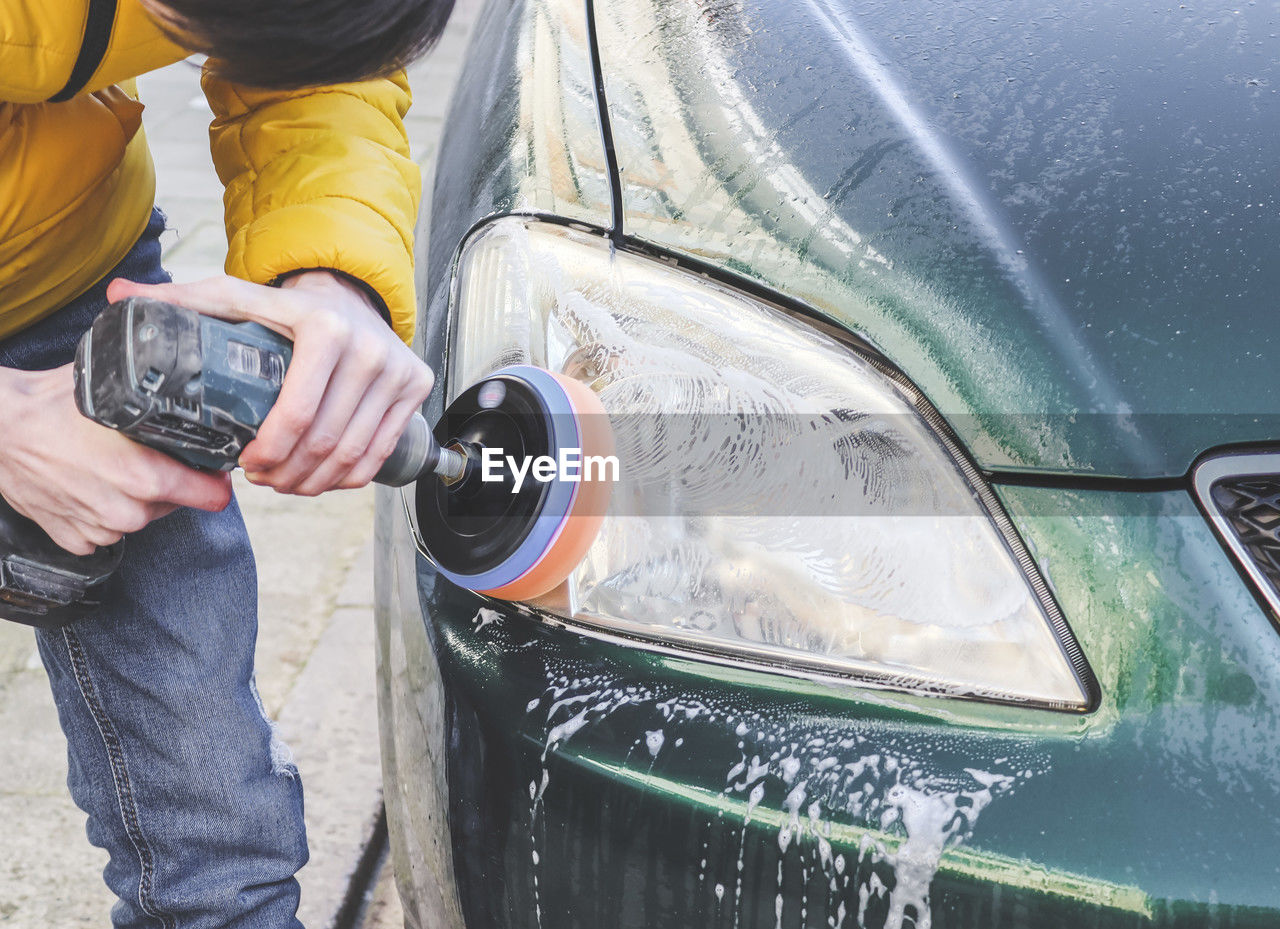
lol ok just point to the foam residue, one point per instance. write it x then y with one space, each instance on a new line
654 742
801 785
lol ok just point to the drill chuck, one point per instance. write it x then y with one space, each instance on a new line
418 454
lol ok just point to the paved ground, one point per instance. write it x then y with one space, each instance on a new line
315 653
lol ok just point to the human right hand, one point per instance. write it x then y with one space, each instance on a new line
82 483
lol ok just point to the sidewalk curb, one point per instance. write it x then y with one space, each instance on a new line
373 858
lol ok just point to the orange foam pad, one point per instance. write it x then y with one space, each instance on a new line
587 511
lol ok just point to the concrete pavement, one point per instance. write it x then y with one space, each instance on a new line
315 650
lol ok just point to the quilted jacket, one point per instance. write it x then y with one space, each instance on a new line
318 178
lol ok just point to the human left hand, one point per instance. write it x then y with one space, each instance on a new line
350 389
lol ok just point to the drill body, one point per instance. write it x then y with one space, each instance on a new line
192 386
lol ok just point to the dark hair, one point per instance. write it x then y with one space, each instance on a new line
302 43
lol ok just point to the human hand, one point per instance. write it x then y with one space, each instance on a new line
350 389
82 483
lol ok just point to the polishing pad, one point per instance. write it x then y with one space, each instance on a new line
500 530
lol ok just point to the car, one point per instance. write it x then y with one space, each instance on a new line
939 587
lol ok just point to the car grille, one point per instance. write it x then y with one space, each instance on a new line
1241 495
1251 506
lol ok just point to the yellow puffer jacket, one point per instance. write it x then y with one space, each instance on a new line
319 178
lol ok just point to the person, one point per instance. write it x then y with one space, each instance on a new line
170 753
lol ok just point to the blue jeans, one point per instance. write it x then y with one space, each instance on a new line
169 751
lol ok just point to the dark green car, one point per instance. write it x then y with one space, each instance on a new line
939 588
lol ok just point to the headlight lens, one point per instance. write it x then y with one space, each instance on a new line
783 499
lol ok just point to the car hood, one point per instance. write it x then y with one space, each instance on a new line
1060 221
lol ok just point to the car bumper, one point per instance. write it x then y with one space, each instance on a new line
539 776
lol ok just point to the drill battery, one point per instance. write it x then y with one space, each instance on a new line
44 585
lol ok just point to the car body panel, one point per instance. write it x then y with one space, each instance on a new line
522 135
540 775
411 717
589 780
1058 220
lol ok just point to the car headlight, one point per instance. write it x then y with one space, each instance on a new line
784 498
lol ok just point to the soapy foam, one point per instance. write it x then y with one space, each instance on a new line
808 778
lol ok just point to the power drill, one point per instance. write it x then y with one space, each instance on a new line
192 386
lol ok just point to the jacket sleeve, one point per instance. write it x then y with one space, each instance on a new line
319 178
